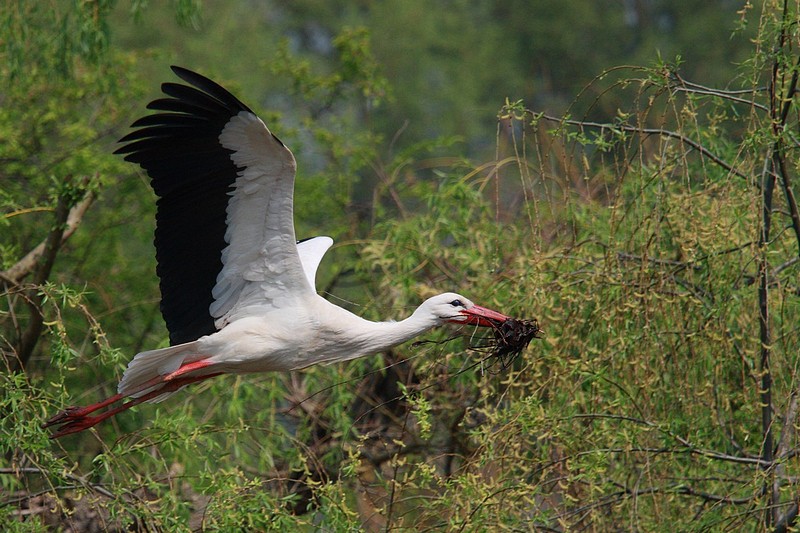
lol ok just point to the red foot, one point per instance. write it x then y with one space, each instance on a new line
74 426
73 413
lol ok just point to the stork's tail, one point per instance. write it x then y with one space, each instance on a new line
147 367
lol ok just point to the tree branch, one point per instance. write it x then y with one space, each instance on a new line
779 105
24 266
786 520
41 264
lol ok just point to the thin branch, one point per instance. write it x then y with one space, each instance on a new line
651 131
787 432
688 447
681 489
694 88
783 266
791 201
624 256
712 91
72 477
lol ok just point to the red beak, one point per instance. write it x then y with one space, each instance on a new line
480 316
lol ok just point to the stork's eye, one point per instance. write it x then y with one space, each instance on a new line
457 303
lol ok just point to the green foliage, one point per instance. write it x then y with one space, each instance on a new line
631 226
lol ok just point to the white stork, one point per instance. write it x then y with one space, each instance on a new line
237 288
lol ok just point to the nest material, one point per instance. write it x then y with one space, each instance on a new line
508 339
511 337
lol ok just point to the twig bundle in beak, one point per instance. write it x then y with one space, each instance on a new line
512 336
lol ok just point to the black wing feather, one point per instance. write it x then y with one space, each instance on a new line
172 119
209 87
192 174
178 106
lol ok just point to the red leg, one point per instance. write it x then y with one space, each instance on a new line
188 367
75 425
75 419
73 413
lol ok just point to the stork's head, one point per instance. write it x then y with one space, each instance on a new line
454 308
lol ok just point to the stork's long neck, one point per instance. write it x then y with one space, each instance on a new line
388 334
364 337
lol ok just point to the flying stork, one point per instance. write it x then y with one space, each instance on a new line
237 288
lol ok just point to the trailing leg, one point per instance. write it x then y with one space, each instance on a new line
75 419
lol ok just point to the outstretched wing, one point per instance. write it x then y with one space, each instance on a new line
225 241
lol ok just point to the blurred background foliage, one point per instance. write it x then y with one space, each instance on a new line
624 171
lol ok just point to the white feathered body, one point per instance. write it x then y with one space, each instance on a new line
316 332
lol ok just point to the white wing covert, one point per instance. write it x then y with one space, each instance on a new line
311 252
261 264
